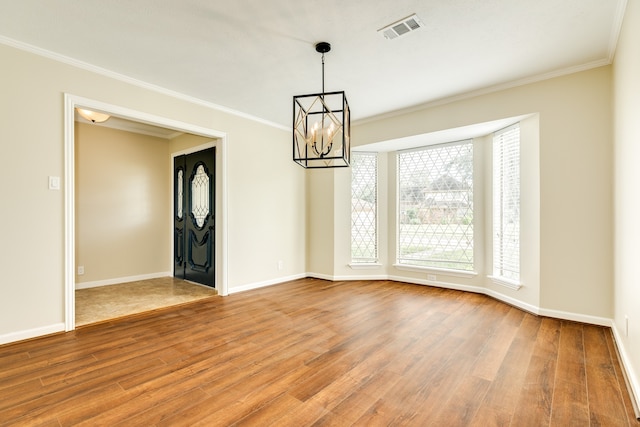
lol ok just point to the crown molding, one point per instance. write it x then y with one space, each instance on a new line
485 91
616 28
134 82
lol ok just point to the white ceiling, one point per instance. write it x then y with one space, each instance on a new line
253 56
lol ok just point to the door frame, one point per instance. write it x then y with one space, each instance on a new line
71 102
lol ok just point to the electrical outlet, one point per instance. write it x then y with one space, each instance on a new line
280 265
431 277
80 270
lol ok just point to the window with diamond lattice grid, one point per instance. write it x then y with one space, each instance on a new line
435 222
506 203
364 207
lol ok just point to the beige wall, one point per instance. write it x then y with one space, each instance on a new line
186 141
570 167
123 205
266 190
626 83
320 218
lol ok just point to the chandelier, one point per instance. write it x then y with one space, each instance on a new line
321 126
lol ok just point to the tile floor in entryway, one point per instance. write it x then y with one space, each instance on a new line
110 302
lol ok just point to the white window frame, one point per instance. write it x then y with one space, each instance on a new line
360 263
505 139
431 268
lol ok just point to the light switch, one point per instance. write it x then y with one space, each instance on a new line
54 183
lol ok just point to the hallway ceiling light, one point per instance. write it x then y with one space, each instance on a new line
321 126
93 116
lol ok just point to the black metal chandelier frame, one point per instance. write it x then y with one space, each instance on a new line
322 126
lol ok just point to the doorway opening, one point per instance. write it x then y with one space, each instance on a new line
217 139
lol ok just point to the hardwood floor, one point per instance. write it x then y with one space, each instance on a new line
312 352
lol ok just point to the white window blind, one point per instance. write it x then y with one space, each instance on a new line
506 204
364 207
435 215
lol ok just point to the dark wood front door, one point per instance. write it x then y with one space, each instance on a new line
194 217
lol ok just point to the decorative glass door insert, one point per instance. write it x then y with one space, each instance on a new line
200 196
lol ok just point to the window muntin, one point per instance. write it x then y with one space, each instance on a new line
435 192
364 207
506 203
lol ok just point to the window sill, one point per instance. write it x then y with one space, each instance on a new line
511 284
445 271
364 265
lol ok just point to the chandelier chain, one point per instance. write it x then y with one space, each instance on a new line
322 72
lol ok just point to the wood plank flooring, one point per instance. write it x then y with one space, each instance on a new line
318 353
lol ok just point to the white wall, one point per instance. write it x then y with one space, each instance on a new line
626 107
266 190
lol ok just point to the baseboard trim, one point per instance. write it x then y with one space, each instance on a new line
258 285
367 277
322 276
576 317
466 288
557 314
117 280
512 301
31 333
630 376
437 284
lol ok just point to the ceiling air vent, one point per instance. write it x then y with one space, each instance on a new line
401 27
